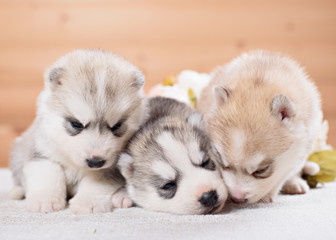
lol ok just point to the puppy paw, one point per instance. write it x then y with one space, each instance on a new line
90 205
295 185
121 200
45 204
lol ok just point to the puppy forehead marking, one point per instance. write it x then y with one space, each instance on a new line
79 109
101 86
164 170
106 94
238 142
175 152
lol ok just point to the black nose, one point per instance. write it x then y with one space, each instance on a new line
238 200
95 162
209 199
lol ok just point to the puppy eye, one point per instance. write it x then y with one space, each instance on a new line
116 126
260 172
169 186
208 164
77 125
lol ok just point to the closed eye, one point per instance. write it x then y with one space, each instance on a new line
208 164
116 126
120 128
169 186
77 125
168 190
261 173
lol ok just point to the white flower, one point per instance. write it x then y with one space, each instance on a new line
186 80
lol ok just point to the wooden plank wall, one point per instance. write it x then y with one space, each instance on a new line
161 37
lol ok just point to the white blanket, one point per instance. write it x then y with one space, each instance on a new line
309 216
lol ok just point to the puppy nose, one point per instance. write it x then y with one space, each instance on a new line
209 199
95 162
238 200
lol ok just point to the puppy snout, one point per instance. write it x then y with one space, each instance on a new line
209 199
238 200
95 162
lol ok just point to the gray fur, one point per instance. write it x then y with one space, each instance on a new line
38 156
102 82
158 182
55 75
69 129
183 123
139 79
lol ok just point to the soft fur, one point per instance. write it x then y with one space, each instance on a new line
170 164
91 105
263 112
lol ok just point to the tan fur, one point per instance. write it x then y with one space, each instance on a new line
252 81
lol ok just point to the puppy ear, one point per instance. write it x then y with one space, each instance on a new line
139 79
282 107
196 120
221 94
125 165
53 76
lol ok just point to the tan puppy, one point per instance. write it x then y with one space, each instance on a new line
263 113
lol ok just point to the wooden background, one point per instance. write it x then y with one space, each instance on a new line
161 37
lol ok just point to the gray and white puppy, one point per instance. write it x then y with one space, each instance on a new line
170 164
91 105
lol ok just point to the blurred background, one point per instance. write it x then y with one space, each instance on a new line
160 37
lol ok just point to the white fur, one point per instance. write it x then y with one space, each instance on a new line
175 151
45 186
121 199
157 156
238 142
194 152
48 162
194 182
163 169
254 162
94 195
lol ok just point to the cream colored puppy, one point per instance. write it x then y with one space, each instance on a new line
91 105
263 113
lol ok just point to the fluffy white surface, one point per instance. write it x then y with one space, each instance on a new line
310 216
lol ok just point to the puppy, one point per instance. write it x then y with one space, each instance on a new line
91 105
170 165
263 112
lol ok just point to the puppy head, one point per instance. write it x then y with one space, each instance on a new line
255 127
93 103
173 169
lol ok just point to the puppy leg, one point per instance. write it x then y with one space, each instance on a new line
121 199
94 195
295 185
45 186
